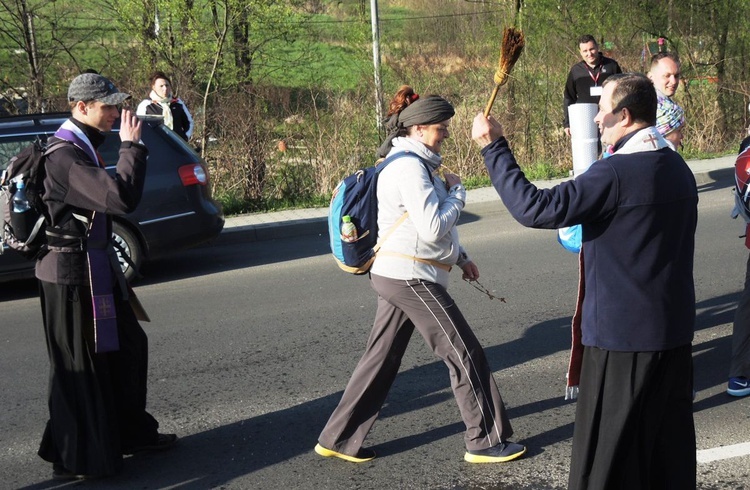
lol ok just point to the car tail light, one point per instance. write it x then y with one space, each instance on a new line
193 174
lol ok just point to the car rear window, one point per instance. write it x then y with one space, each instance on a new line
11 146
164 146
110 149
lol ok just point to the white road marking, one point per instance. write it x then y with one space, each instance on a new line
723 452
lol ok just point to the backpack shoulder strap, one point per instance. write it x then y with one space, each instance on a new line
47 151
383 162
393 227
55 145
380 165
42 171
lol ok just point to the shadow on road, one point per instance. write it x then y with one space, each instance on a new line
217 456
711 358
19 289
722 178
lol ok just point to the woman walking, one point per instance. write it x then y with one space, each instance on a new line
410 276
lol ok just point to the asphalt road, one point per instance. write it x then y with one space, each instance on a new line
252 344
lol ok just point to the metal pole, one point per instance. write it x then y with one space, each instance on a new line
376 63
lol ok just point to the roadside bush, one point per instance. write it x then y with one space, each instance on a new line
237 149
290 106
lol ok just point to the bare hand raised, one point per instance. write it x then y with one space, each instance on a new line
485 130
130 126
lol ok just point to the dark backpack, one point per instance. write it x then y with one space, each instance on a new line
24 232
356 197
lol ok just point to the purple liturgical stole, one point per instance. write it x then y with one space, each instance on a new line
106 338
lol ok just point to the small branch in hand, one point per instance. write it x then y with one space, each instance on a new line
479 287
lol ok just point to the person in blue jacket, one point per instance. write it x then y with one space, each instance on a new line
638 209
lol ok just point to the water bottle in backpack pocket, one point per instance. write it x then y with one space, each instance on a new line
353 218
348 230
21 219
22 211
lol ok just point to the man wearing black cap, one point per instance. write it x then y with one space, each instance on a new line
97 349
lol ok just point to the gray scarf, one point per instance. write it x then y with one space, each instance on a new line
429 110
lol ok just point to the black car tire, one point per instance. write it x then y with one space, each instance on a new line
176 211
128 242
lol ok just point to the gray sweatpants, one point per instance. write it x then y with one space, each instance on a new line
402 306
740 363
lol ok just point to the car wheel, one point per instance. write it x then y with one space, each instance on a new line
127 242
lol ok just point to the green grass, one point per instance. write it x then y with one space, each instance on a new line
233 205
316 64
477 182
692 154
334 55
544 171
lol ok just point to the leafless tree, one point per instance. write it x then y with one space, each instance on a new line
42 37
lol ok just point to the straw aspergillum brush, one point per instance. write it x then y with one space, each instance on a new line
510 51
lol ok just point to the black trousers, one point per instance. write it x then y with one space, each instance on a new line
634 421
739 364
97 402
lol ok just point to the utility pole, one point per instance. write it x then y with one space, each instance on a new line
376 62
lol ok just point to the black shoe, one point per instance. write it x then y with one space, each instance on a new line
60 473
505 451
163 442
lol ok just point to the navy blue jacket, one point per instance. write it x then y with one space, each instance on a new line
638 214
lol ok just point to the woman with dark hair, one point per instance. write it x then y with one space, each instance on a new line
410 275
162 101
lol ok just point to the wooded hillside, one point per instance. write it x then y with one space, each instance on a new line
259 72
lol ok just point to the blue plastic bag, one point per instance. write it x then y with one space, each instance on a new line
571 238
